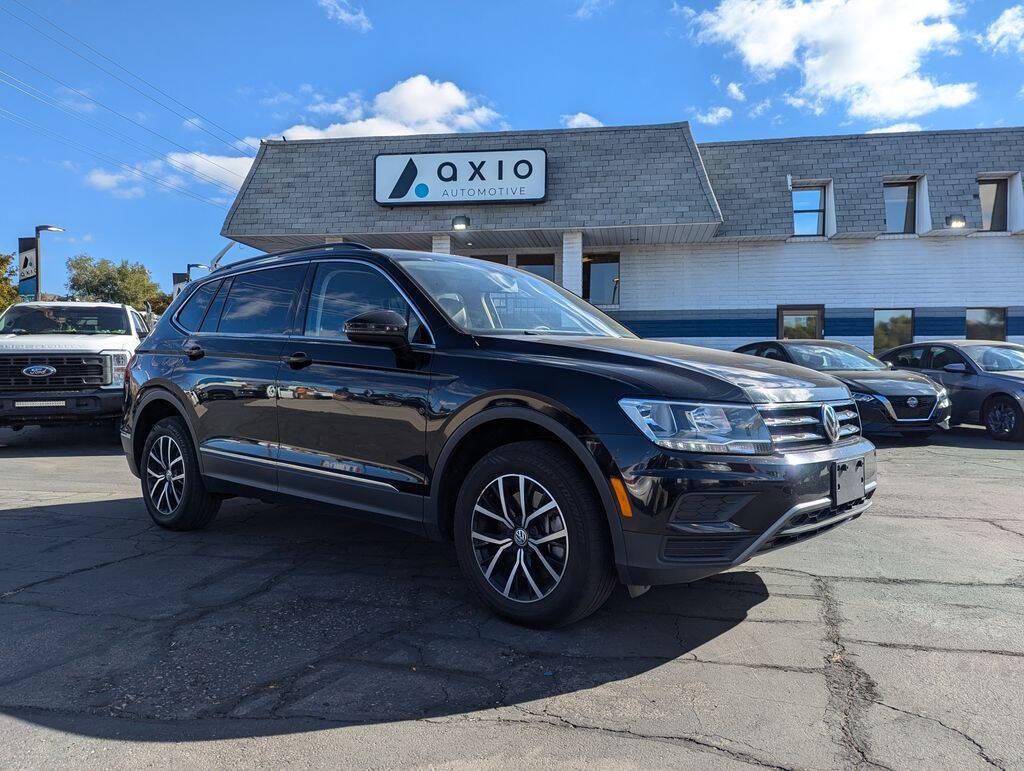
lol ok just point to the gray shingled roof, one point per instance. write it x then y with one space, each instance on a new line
649 178
749 178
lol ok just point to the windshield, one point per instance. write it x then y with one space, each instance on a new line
997 358
64 320
487 299
827 357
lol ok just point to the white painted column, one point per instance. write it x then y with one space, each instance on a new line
572 262
512 260
441 244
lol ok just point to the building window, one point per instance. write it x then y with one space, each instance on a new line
542 265
900 207
986 323
809 211
992 193
801 322
601 279
893 327
499 259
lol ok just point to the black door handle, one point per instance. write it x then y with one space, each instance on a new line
193 351
298 360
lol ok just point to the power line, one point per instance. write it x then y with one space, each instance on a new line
121 115
125 82
132 170
41 96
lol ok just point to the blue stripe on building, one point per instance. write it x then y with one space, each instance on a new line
940 326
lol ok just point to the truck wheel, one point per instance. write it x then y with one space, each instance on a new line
171 484
1003 419
532 537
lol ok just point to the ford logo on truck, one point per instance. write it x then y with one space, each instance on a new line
39 370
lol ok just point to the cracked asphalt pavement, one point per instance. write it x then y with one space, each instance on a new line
283 636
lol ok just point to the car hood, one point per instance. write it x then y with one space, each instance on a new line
1011 378
888 382
681 371
46 343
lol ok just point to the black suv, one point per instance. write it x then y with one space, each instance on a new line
469 401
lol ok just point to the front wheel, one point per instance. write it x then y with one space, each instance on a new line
532 537
172 486
1003 419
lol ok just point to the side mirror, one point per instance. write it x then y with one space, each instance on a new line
889 365
956 367
378 327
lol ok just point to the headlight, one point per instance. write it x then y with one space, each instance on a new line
859 397
118 364
695 427
943 398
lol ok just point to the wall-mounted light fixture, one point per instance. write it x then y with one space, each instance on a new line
956 221
460 223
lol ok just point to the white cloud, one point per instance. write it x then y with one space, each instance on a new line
349 107
580 120
77 99
277 99
229 170
714 116
896 127
735 90
864 54
1006 33
192 124
716 81
343 12
589 8
118 184
810 105
760 108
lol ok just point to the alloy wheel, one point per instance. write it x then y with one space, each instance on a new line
1001 418
520 539
165 472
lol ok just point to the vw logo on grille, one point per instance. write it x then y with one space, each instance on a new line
830 422
39 370
912 401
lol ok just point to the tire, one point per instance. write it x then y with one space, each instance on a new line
1003 419
181 501
534 582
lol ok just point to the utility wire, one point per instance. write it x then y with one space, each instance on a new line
130 85
82 94
132 170
41 96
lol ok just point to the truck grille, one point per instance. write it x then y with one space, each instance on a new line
925 405
799 426
73 371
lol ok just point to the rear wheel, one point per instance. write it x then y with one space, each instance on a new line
172 486
1003 419
532 537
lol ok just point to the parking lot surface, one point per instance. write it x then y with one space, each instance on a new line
284 636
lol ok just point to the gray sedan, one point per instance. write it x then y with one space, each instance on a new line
984 378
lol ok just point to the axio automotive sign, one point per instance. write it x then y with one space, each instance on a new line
472 177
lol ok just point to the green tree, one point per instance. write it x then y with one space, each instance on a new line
106 281
160 301
8 281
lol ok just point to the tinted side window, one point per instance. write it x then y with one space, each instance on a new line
941 356
140 325
259 303
341 291
212 319
191 314
908 358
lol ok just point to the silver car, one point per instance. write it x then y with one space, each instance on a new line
984 378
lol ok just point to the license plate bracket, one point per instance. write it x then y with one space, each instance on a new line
847 480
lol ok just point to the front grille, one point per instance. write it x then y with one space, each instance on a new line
722 548
925 405
74 371
799 426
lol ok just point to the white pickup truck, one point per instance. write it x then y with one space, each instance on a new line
64 362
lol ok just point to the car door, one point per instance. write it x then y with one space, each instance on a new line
229 370
964 387
353 416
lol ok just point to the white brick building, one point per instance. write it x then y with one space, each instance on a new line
871 239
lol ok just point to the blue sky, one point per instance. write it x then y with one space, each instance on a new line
735 68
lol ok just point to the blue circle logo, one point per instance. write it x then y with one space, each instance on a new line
422 190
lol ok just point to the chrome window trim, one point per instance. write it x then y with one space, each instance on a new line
402 292
298 467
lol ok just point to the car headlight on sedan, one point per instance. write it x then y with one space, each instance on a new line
943 398
695 427
862 397
118 364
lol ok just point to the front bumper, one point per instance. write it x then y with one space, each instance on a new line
43 408
696 515
877 420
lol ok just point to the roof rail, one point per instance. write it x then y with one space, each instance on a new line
283 252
